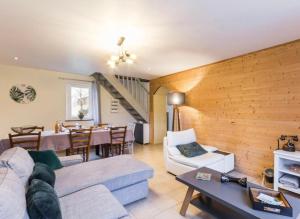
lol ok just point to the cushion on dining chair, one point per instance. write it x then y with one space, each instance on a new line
19 161
43 172
47 157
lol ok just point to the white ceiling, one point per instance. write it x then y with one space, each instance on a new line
79 36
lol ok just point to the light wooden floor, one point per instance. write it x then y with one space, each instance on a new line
166 194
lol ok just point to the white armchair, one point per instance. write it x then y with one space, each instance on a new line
178 164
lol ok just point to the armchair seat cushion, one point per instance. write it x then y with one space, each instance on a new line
92 202
198 161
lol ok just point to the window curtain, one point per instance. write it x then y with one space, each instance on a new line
96 102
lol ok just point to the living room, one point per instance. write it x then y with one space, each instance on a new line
149 109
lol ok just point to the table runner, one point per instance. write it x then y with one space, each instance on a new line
60 141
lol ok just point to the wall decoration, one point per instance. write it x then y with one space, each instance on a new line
114 106
22 93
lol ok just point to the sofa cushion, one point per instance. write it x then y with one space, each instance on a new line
191 150
19 161
181 137
12 195
71 160
48 157
42 172
198 161
90 203
42 201
115 173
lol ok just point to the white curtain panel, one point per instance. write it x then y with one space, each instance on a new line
96 102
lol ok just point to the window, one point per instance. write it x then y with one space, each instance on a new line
79 101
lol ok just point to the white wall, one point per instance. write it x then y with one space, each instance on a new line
120 118
50 103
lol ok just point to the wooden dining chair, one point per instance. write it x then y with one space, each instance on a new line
40 128
129 145
80 140
69 126
103 125
28 141
117 139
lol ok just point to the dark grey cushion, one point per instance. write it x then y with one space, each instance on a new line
48 157
43 172
191 150
42 201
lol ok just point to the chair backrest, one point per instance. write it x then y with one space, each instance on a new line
103 125
118 134
69 126
40 128
80 138
131 126
29 141
27 129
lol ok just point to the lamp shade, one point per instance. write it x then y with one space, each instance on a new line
176 98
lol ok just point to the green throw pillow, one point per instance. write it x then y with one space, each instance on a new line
42 201
43 172
191 150
47 157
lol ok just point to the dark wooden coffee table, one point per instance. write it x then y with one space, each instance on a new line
225 200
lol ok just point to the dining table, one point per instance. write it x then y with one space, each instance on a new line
60 141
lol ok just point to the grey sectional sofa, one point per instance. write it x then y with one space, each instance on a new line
91 190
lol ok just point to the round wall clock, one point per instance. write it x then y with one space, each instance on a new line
22 93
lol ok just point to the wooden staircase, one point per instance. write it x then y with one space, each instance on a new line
134 106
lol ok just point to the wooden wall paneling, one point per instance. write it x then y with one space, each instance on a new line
242 104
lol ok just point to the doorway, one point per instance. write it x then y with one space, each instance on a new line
160 115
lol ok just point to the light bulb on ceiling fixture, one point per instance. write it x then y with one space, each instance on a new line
112 65
110 62
114 58
133 56
129 61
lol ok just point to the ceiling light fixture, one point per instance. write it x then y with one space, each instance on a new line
16 58
123 57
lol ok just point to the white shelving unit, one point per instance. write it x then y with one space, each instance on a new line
282 159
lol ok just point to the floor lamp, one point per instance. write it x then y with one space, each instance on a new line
176 99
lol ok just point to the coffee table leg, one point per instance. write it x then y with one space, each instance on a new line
186 202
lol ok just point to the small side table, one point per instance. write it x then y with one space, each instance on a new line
282 160
229 160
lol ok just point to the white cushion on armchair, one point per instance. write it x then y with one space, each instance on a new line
181 137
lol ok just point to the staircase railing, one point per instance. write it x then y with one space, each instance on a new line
137 89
